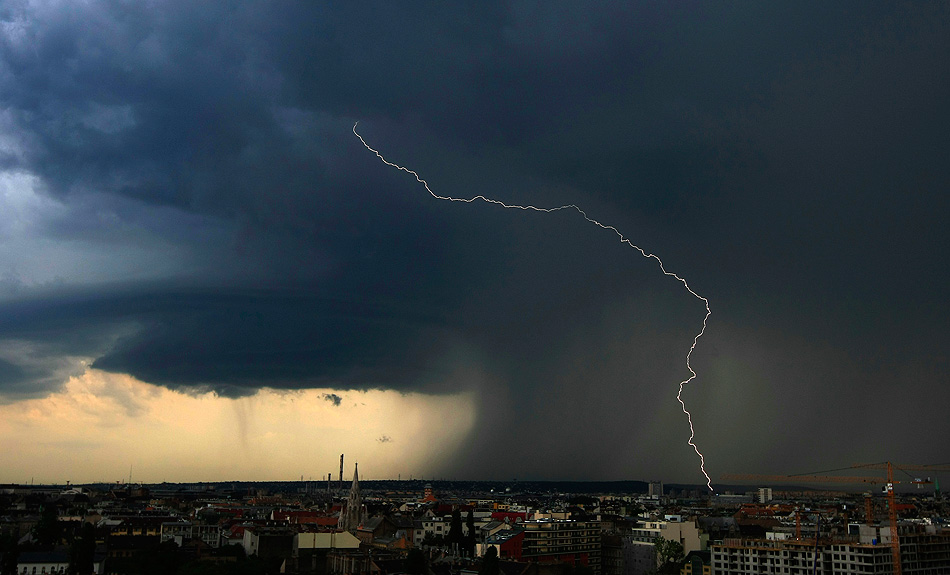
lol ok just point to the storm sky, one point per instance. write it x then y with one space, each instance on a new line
204 274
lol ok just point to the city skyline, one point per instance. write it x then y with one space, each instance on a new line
204 270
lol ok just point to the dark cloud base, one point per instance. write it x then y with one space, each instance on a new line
788 160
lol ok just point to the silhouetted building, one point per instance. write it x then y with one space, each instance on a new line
351 516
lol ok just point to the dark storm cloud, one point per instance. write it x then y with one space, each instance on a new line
230 342
333 398
788 159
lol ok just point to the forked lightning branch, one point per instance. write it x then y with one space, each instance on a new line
623 239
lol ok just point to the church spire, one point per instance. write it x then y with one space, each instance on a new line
350 518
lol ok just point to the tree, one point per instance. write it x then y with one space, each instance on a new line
668 554
162 559
416 563
48 529
490 564
209 517
674 551
580 569
82 553
9 555
244 566
454 538
468 543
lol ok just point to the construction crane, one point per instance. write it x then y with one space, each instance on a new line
888 482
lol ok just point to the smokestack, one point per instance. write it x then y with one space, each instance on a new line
341 472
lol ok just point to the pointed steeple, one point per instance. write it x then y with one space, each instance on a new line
350 518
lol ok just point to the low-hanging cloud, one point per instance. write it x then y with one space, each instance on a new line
184 203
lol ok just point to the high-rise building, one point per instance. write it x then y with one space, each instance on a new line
799 557
562 541
687 533
925 550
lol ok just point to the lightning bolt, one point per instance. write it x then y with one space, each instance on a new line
623 239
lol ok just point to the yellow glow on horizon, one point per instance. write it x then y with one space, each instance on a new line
99 424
